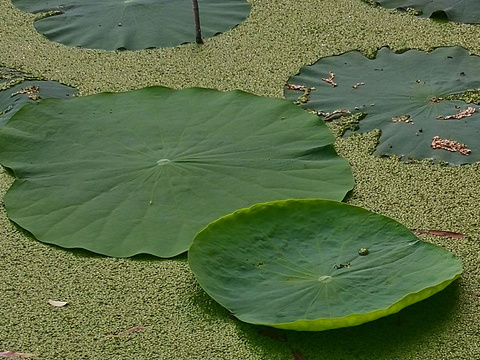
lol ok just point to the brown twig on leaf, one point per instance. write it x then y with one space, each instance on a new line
330 81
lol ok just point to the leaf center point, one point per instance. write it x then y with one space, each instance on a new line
163 162
325 279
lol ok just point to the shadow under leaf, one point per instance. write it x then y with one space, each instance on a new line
380 339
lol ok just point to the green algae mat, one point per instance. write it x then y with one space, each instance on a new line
144 171
316 265
414 98
132 24
150 308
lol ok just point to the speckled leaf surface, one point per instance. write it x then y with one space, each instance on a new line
144 171
13 98
132 24
316 265
392 86
464 11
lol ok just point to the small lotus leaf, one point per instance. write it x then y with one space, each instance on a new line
405 95
132 24
316 265
143 171
463 11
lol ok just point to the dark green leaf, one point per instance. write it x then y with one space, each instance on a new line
132 24
404 95
464 11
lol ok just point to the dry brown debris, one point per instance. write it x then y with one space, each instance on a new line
129 331
337 114
450 234
330 81
401 118
462 114
436 100
306 92
31 91
450 145
296 87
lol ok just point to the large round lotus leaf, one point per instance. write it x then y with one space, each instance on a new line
13 98
316 265
465 11
144 171
404 95
132 24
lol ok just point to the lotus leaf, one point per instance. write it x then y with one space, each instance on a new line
316 265
142 172
464 11
132 24
13 98
408 96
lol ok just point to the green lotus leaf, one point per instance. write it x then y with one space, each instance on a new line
13 98
132 24
143 171
408 96
316 265
464 11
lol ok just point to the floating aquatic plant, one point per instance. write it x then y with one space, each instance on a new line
132 24
417 99
463 11
316 265
143 171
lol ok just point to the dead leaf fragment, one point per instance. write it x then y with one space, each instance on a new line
273 335
297 355
330 81
450 145
306 92
401 118
135 329
450 234
337 114
304 98
296 87
56 303
30 91
128 331
18 355
462 114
